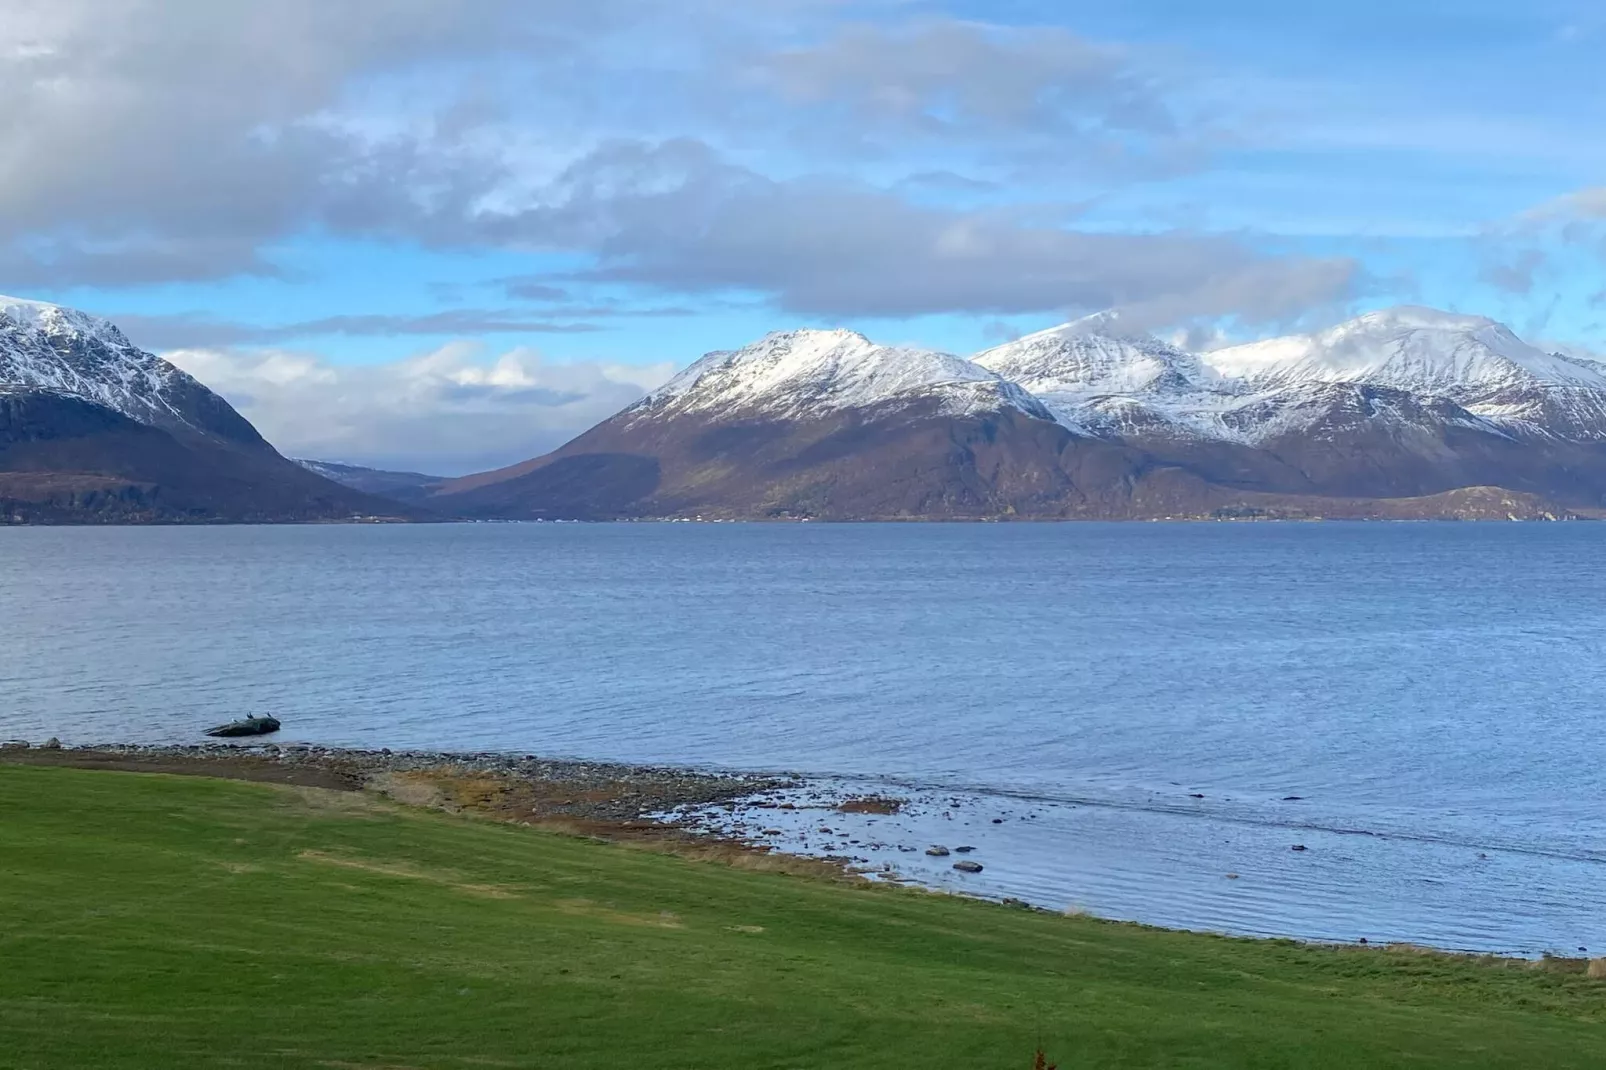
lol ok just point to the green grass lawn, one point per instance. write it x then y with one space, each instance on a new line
150 921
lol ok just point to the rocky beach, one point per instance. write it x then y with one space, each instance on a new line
819 826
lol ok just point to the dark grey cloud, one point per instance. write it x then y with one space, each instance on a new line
181 331
1516 273
676 217
1039 95
562 301
153 140
193 329
946 182
533 289
160 140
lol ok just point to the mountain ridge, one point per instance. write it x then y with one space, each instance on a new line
1427 405
1402 412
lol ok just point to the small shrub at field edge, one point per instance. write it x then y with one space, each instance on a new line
1041 1062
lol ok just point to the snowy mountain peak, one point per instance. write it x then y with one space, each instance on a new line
1101 382
49 319
1417 349
794 372
1419 318
1473 361
1107 324
1081 356
51 348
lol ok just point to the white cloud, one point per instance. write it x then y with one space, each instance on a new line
453 410
1581 204
1575 351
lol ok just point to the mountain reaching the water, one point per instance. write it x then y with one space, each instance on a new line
411 487
1403 413
95 430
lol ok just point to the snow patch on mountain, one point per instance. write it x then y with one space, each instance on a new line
1407 348
48 347
1476 362
56 320
796 373
1088 357
1324 411
1099 381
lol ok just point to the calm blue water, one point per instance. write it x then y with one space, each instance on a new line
1434 693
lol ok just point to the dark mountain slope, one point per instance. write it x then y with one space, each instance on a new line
95 430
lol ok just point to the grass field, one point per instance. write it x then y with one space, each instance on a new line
152 921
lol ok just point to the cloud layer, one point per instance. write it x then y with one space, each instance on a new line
160 140
451 411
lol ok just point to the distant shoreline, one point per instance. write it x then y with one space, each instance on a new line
902 521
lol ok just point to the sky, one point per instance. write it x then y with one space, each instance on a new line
454 236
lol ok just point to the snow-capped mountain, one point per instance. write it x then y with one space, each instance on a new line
48 347
1402 413
1476 362
1098 380
795 374
95 430
1093 357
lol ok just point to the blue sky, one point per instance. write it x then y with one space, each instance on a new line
457 236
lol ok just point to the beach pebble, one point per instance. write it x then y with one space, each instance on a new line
937 851
968 867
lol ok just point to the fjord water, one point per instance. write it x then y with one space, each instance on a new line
1148 708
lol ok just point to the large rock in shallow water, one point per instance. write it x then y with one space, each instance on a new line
251 726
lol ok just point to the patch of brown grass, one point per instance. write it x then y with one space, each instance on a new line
410 872
666 839
241 867
590 909
333 801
